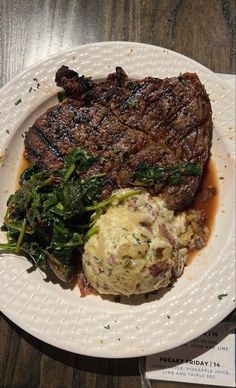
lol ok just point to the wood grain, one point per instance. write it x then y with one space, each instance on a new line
202 30
33 29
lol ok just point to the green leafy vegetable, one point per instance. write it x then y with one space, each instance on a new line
26 174
79 159
46 215
173 175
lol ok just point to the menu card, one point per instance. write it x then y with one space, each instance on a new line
208 359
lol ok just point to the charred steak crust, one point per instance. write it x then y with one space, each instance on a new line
124 123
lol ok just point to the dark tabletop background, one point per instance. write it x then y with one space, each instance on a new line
204 30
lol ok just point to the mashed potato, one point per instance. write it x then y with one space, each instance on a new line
138 247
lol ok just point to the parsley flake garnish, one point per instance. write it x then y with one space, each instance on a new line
132 103
221 296
168 316
18 101
30 89
107 327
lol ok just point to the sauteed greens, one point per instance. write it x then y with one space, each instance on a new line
47 217
172 175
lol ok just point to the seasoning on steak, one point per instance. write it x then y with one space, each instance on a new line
126 123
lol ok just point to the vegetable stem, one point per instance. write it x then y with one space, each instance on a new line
91 232
69 171
111 199
17 227
21 236
7 246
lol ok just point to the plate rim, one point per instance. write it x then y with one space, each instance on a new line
104 43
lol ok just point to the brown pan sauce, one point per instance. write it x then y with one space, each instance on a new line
209 206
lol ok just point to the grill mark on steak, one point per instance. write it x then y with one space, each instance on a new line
167 120
38 150
161 127
124 123
48 142
58 144
158 124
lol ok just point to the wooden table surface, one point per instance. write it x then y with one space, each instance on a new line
204 30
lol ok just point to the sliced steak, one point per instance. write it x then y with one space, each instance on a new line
124 124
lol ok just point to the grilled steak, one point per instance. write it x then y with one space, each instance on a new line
125 124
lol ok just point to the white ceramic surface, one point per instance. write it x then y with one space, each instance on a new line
137 326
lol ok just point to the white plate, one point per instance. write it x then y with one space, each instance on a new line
141 326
